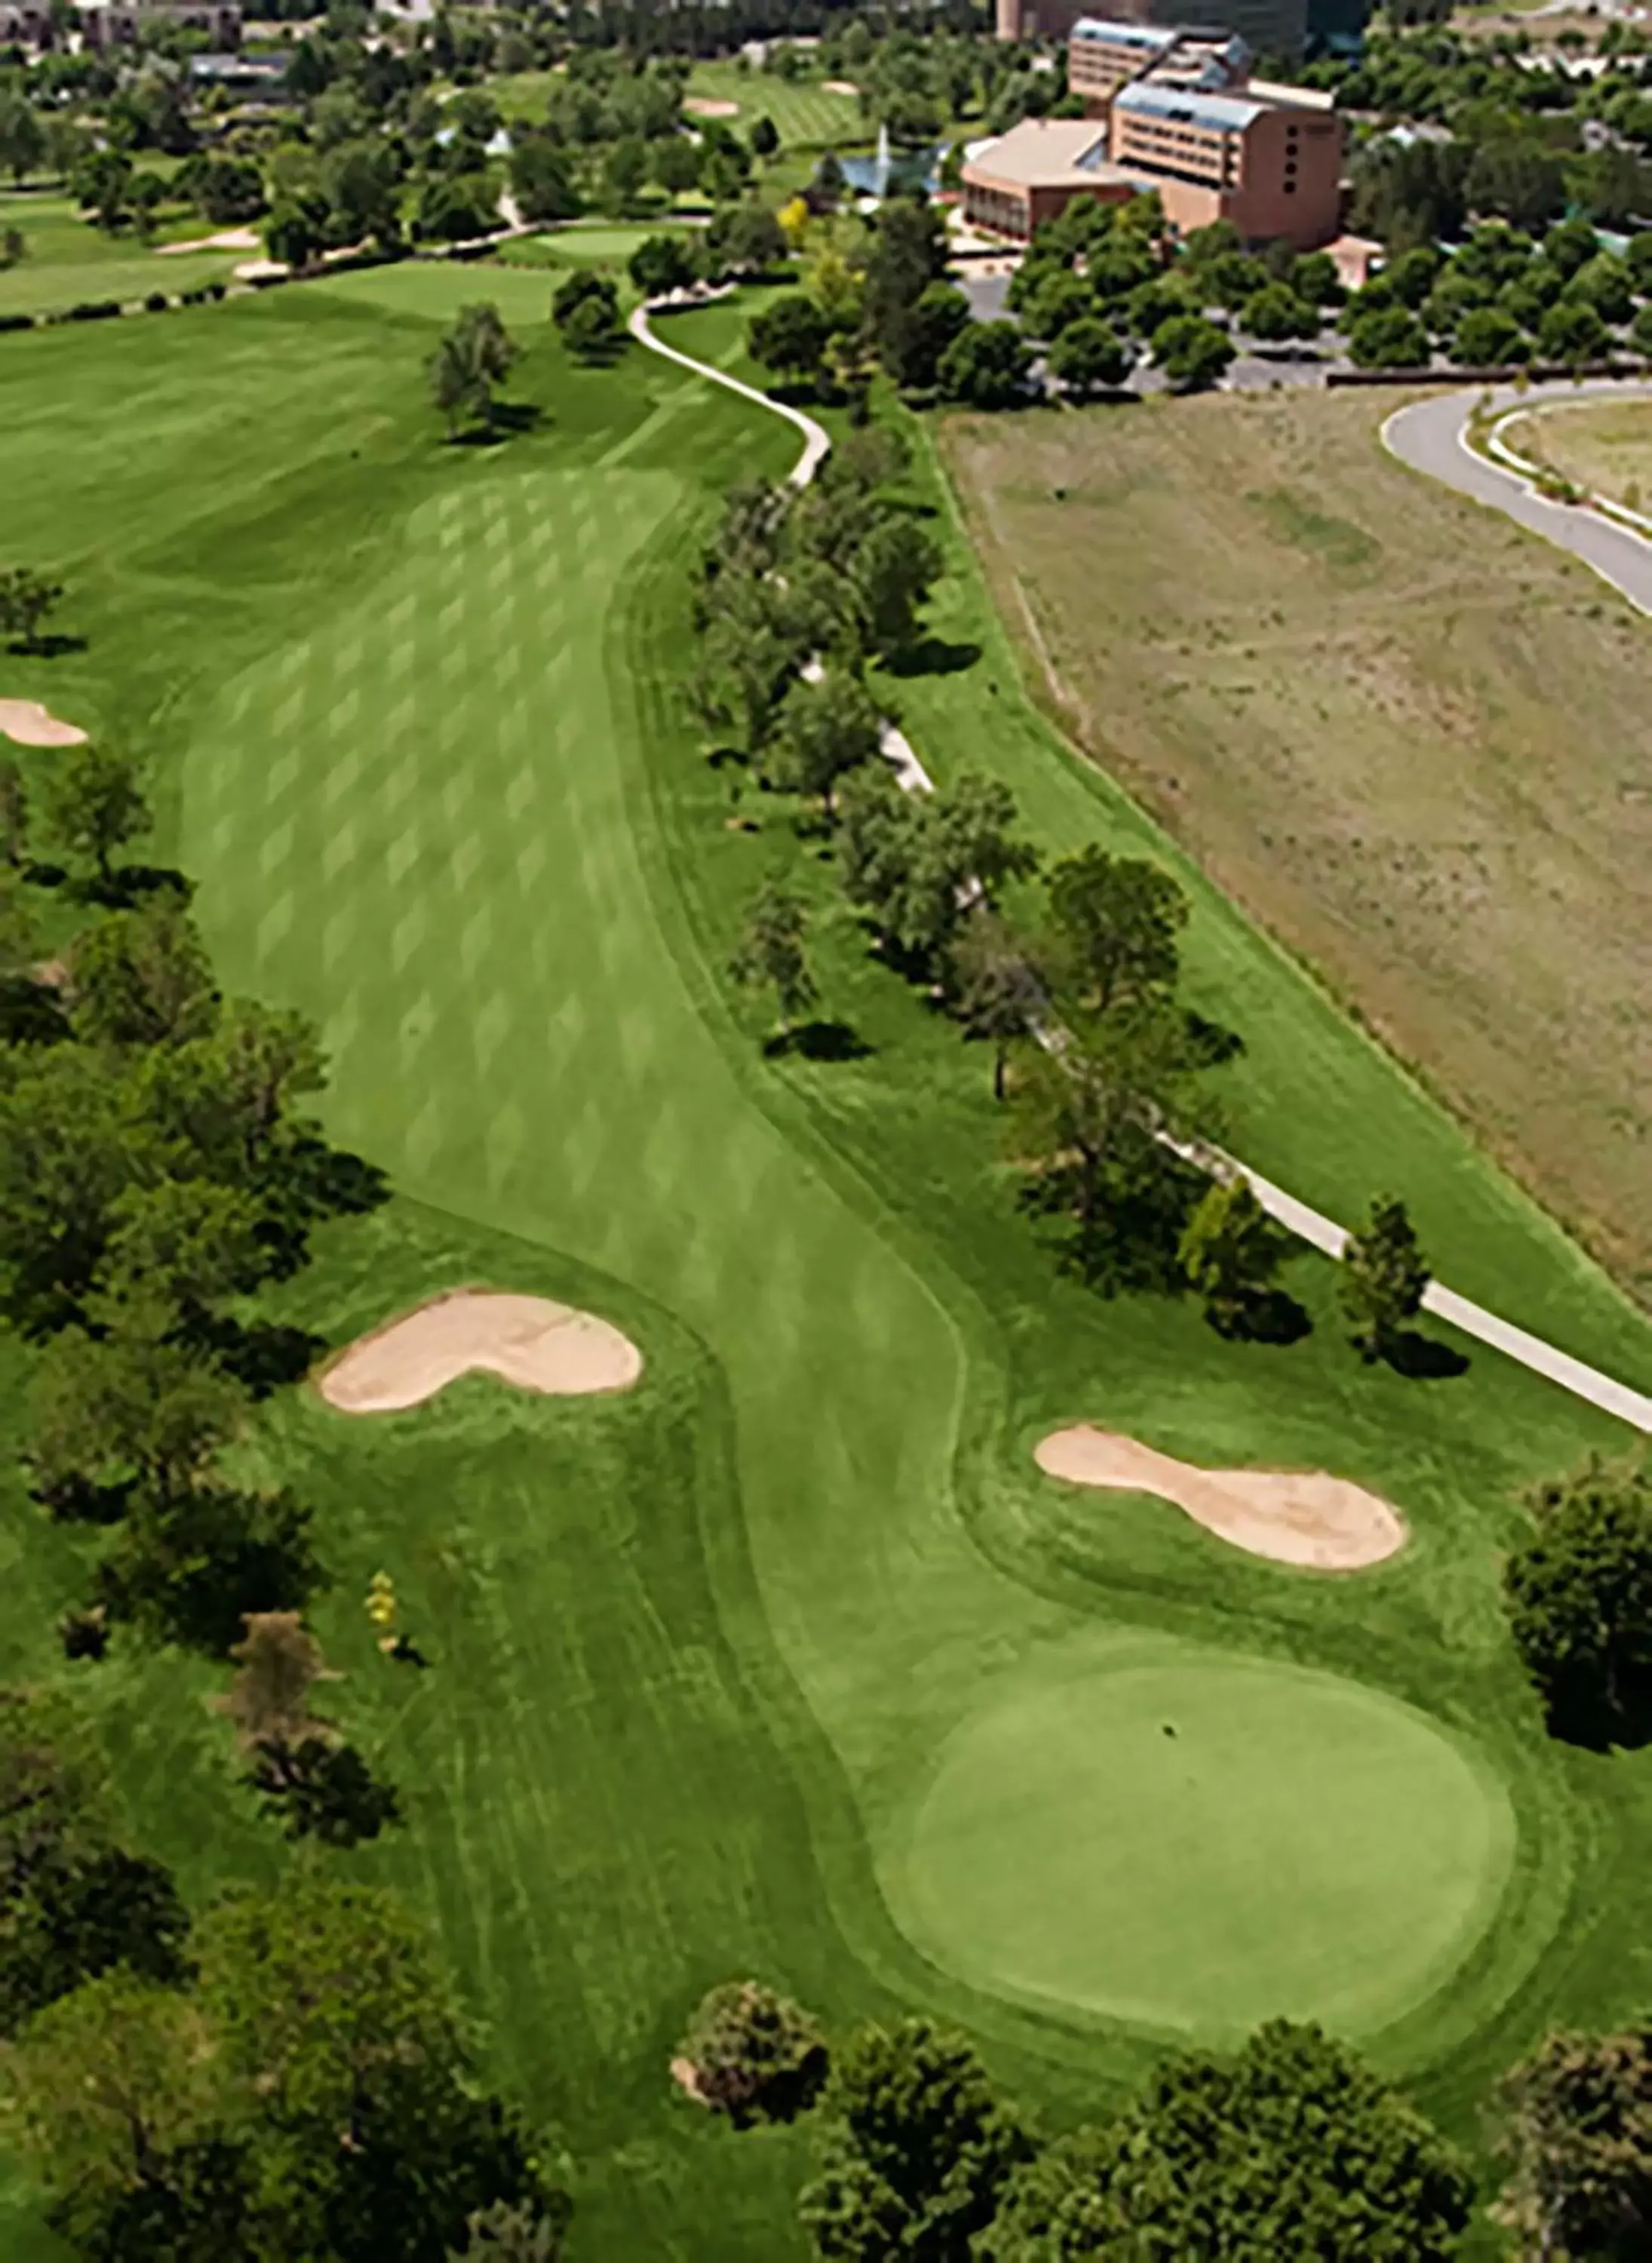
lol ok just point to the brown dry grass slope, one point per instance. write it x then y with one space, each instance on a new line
1413 740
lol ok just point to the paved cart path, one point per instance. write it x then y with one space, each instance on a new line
1325 1235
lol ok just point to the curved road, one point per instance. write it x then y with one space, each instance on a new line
1435 440
1432 436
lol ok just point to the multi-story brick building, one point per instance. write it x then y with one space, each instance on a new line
1176 112
1271 27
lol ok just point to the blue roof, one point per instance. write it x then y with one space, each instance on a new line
1150 37
1225 111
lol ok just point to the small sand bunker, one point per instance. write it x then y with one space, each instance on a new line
708 106
840 86
528 1341
227 238
1303 1517
31 724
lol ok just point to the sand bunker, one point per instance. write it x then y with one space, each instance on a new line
31 724
840 86
1303 1517
528 1341
706 105
227 239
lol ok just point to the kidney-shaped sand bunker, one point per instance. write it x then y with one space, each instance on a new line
527 1340
1304 1517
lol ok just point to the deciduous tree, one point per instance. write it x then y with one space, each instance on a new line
94 805
1578 1593
1576 2127
826 729
1116 925
771 955
1383 1278
754 2055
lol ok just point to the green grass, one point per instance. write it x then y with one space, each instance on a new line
805 115
68 260
1162 1833
414 719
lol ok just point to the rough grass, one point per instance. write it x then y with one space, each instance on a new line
1603 446
414 715
1412 740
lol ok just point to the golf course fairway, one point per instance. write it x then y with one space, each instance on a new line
1194 1838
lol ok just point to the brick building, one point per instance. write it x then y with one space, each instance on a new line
1178 113
1270 27
108 24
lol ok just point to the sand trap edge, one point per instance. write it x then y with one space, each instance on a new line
1244 1523
319 1376
31 723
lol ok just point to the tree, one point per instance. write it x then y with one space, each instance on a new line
278 1663
1387 338
1088 357
1487 339
1571 331
14 813
457 208
295 233
107 1409
190 1569
141 977
893 572
1295 2148
68 1148
1059 300
95 806
506 2233
1603 283
745 239
25 599
1192 352
916 2150
1230 1253
22 136
995 986
1578 1594
753 2055
770 954
907 253
1275 313
585 309
1088 1127
541 181
1116 926
471 360
986 366
1577 2131
661 265
175 1249
1383 1279
827 728
790 336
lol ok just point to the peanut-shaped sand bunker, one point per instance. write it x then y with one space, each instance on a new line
528 1341
31 724
1303 1517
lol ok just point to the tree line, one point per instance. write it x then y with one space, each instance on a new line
1291 2146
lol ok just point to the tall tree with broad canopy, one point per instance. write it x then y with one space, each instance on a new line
1578 1594
827 727
1294 2148
1116 925
790 336
94 805
770 954
916 2147
1576 2127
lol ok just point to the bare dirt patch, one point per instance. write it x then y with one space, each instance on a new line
31 724
227 239
709 105
1411 740
1303 1517
527 1340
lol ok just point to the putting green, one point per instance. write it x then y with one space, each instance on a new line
1178 1836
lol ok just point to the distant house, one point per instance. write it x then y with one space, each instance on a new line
1178 113
1273 27
23 24
119 23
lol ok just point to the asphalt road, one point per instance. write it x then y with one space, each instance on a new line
1429 435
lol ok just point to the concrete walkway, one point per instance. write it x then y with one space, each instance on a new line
816 441
1432 435
1313 1226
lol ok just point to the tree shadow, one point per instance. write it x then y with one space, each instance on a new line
45 876
76 1499
129 884
819 1041
1424 1359
1268 1316
336 1183
1213 1046
31 1013
506 419
934 656
52 647
1596 1725
264 1355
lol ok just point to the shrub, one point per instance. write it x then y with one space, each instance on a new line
753 2055
156 303
93 310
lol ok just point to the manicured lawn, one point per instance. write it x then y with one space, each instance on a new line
805 115
1409 738
1163 1833
416 720
68 260
1604 445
